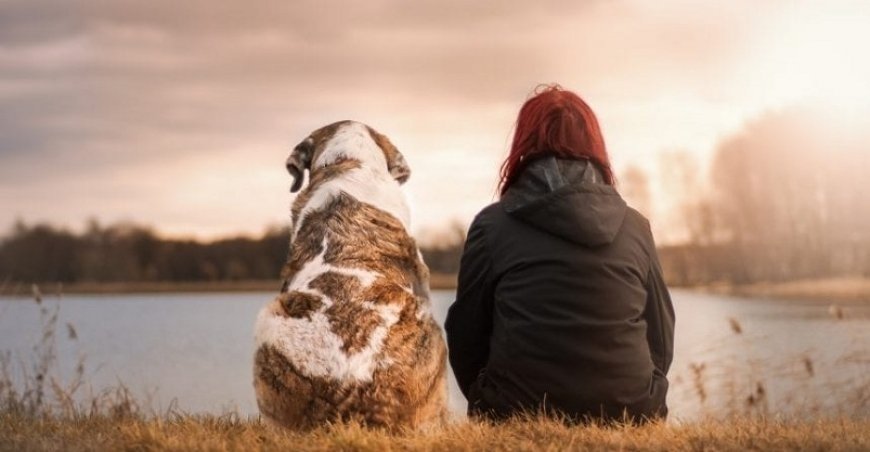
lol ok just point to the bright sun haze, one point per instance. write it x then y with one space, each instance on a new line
134 111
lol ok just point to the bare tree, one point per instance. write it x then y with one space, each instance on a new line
788 195
634 187
682 180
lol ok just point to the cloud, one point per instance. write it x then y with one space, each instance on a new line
91 90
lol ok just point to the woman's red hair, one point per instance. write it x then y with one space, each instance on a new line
555 122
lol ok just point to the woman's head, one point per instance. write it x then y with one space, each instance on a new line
559 123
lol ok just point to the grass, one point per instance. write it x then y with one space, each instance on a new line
831 290
231 433
22 290
439 281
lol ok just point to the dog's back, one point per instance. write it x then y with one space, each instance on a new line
351 336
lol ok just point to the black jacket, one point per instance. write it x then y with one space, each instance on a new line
561 303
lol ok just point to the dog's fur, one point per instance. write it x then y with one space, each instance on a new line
351 336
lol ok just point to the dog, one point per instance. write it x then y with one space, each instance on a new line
351 336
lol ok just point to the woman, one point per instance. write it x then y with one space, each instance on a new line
561 306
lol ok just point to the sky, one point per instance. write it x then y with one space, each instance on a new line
180 115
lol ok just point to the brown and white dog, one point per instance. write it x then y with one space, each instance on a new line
351 336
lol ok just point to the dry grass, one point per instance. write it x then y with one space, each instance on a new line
439 281
101 288
442 281
230 433
830 290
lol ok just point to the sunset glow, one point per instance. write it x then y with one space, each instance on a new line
183 121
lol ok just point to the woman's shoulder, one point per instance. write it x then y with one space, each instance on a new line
484 222
636 219
638 226
490 211
488 216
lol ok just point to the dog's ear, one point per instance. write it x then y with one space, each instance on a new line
299 161
396 163
399 168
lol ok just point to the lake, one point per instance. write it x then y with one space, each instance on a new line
732 355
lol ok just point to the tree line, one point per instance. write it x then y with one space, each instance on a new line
125 252
785 198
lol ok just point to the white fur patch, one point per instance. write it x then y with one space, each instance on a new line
315 267
371 184
310 344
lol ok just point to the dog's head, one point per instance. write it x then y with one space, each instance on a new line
346 140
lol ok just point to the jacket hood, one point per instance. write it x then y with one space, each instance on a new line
567 198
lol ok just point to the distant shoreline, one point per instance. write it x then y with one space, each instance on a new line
853 289
438 281
829 290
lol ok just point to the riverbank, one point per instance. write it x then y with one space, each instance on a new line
107 288
841 290
230 433
828 290
438 281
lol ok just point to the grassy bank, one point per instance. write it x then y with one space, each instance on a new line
438 281
229 433
830 290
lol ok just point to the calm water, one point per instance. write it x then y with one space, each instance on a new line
790 356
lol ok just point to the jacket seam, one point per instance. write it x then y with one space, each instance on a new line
489 261
655 302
